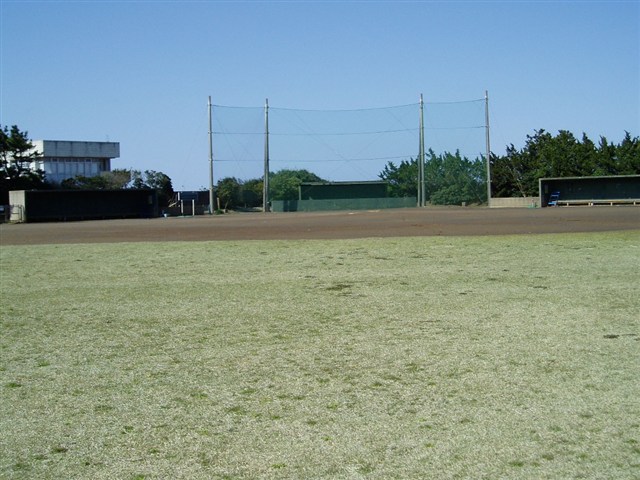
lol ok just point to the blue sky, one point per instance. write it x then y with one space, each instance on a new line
140 72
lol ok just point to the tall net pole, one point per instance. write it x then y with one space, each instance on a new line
211 200
488 145
421 183
265 187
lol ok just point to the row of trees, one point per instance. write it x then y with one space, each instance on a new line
283 185
451 179
124 178
544 155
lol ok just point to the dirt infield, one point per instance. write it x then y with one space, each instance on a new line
353 224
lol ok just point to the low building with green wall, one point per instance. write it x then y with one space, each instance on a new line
323 196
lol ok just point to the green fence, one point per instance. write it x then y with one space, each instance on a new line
342 204
342 190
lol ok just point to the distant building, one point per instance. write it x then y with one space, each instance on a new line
66 159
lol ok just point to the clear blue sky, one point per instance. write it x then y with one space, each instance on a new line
140 72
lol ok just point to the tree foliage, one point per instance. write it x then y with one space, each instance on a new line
16 155
402 179
563 155
234 193
157 181
116 179
229 192
450 179
283 185
124 178
252 193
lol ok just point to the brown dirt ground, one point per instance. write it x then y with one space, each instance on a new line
445 221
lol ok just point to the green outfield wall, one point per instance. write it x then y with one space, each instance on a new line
342 204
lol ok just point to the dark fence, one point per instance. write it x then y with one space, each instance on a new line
342 204
64 205
342 190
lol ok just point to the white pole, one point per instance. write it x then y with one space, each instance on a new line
210 162
265 190
488 145
421 187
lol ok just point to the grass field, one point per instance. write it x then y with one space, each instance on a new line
475 357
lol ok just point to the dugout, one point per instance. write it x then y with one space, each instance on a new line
322 196
64 205
610 190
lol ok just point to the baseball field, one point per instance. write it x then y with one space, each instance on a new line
417 343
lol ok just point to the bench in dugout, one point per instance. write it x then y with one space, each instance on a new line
593 202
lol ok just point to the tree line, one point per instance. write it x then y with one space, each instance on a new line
283 185
450 179
544 155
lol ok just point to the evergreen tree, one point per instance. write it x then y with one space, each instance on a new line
547 156
284 184
402 179
16 155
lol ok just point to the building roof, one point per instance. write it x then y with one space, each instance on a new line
588 177
67 149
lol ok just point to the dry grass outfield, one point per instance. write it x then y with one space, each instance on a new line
476 357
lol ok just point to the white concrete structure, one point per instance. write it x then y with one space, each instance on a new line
514 202
66 159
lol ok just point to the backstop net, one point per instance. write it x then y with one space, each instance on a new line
341 145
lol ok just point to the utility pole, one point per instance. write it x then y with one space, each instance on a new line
211 199
421 185
265 187
488 145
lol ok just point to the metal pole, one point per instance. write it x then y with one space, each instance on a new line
421 185
488 145
265 188
211 207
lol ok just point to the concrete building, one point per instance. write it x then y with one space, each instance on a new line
66 159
